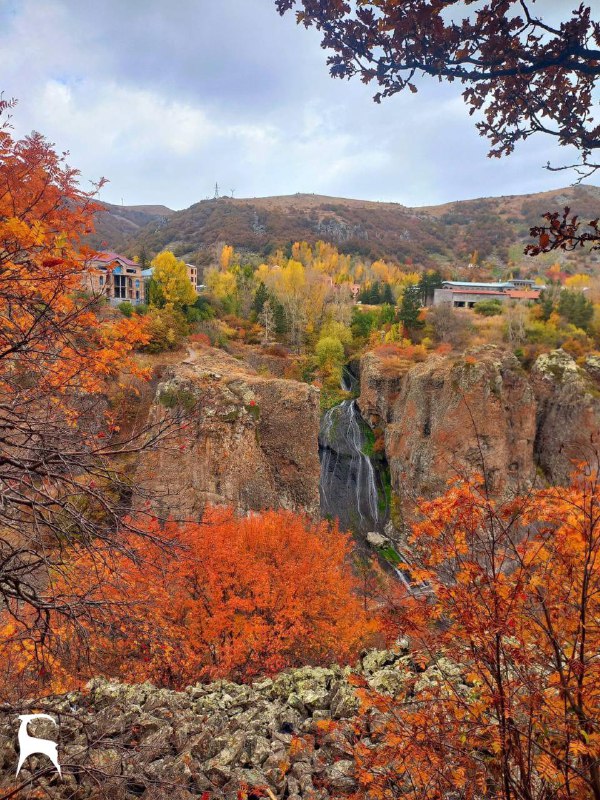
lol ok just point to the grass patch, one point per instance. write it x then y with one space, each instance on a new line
177 398
390 555
332 396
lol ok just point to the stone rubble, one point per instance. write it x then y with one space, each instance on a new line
123 742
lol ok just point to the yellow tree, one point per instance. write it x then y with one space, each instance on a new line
173 285
226 256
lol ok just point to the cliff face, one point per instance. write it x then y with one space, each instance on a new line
379 389
249 441
450 416
568 399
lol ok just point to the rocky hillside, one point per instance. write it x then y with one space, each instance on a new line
116 226
250 441
125 742
427 235
451 415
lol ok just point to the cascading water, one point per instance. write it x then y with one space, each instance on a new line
352 486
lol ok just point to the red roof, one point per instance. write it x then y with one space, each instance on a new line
108 257
524 294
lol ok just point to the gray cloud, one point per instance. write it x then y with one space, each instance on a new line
167 98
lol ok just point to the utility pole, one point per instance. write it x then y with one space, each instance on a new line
232 191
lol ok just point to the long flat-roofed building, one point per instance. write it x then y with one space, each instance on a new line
465 294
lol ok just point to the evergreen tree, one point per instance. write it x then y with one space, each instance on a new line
376 293
546 304
410 308
430 281
576 308
281 324
143 258
388 295
260 297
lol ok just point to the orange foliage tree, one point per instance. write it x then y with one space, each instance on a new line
59 484
244 597
506 620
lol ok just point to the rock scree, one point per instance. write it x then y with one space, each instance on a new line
124 742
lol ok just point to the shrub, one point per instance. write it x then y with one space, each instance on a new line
329 352
488 308
245 596
167 328
201 338
126 308
278 350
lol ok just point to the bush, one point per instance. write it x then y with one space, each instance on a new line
488 308
201 338
168 328
329 352
126 308
294 600
141 309
200 311
539 332
279 350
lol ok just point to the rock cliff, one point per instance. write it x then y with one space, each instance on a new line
379 389
568 413
480 412
123 742
249 441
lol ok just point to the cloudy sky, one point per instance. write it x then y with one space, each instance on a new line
165 98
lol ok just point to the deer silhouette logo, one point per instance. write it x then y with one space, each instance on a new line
31 745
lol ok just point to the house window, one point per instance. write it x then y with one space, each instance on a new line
120 286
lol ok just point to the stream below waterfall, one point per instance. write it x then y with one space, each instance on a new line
353 485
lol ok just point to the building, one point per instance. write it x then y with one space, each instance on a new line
193 274
116 277
464 294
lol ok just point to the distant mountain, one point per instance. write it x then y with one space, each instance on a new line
427 235
117 226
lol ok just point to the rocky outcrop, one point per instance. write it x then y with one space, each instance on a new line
480 412
469 414
122 742
249 440
380 386
568 399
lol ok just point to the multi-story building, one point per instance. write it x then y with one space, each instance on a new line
192 274
117 277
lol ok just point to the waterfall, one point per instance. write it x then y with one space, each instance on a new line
350 484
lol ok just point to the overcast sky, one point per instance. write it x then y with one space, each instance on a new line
165 98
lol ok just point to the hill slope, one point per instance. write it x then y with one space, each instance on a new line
117 226
428 235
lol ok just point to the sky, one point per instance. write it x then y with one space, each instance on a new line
165 99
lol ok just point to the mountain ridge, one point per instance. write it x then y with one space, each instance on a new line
425 235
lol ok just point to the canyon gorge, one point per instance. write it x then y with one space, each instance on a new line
253 440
